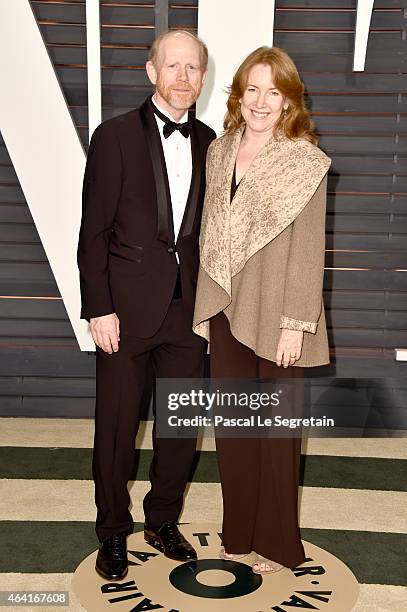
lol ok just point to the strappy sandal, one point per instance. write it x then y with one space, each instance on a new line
272 565
229 556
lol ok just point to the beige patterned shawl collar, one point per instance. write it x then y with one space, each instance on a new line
277 186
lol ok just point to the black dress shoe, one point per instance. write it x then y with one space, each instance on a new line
111 562
170 541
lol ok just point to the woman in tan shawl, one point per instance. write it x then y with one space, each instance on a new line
259 294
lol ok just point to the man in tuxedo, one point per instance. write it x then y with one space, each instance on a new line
138 259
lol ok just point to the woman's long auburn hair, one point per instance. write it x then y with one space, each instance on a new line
296 122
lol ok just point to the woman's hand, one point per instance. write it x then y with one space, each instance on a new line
289 347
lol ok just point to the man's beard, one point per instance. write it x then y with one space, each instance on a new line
176 99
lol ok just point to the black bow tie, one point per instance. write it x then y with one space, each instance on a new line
171 126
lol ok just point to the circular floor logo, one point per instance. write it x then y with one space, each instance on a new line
154 582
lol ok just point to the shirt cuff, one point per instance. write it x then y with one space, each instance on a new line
289 323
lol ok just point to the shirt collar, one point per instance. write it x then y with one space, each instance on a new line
167 114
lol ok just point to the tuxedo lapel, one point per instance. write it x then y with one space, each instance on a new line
189 217
165 230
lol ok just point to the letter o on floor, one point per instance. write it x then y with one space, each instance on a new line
184 578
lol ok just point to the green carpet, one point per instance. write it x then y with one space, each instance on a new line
48 547
316 470
55 548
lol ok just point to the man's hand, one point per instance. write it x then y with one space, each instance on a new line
289 347
106 332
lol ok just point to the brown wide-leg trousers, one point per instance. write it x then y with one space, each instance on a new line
259 476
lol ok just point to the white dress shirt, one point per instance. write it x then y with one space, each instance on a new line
178 159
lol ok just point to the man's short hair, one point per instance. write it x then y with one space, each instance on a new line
203 49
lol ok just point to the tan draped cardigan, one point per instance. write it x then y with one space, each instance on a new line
262 255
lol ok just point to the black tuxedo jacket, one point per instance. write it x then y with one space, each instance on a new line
126 251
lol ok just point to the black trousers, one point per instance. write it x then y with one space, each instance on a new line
259 476
173 352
